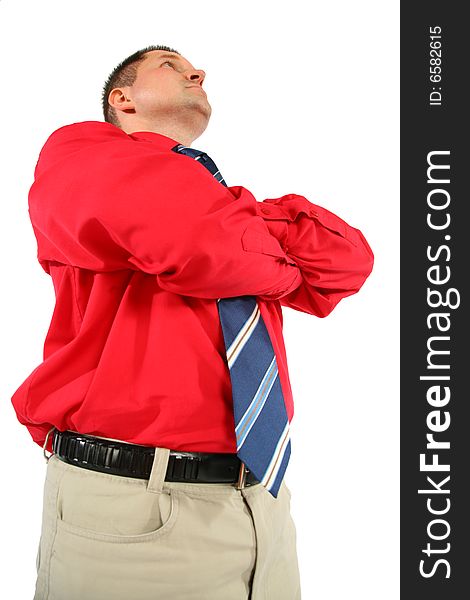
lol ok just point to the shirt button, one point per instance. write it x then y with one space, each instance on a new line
266 211
313 213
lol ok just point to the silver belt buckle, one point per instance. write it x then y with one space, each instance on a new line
241 476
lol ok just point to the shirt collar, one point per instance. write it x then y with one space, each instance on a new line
162 141
103 129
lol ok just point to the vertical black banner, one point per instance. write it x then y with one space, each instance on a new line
434 260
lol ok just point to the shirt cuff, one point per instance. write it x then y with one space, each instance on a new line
289 207
276 219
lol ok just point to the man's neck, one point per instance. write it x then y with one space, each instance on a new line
173 130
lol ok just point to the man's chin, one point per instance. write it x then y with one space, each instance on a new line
203 107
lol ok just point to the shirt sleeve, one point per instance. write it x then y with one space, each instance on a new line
335 259
125 205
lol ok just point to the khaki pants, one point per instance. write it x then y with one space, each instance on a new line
107 537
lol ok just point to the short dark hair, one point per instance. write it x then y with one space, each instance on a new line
125 74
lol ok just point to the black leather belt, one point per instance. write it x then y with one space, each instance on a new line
133 460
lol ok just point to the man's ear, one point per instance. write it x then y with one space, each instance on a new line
119 99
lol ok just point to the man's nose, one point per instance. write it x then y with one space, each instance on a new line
197 75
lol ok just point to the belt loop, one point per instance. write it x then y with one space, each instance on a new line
158 472
45 444
240 485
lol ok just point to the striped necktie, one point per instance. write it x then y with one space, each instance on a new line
261 422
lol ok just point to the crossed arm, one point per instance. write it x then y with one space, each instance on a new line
117 204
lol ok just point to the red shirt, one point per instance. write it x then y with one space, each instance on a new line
140 241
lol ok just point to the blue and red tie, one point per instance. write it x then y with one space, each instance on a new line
261 422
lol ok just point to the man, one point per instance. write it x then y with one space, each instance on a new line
155 488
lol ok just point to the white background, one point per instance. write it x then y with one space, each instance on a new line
305 99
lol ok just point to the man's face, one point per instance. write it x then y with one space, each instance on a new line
168 86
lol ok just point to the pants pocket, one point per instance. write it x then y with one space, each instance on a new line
110 508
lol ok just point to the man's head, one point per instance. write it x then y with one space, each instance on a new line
157 89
